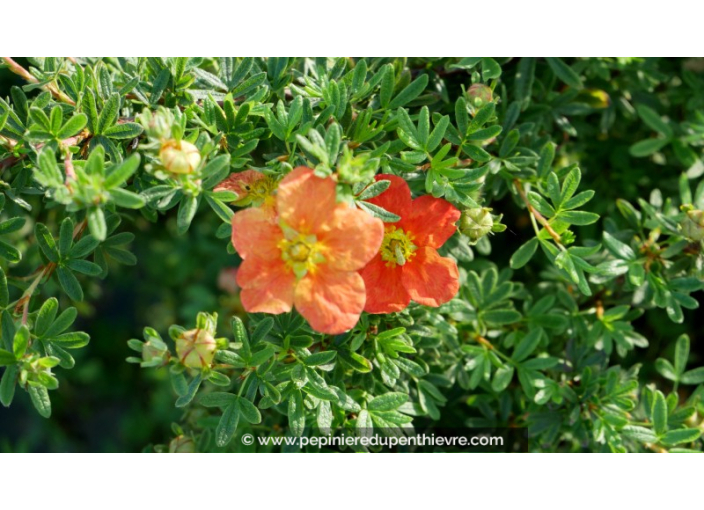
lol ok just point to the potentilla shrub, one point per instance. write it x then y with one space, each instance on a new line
414 243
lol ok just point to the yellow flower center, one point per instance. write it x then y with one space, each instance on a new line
301 252
261 189
397 247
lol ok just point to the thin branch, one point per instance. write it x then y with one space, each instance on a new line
51 87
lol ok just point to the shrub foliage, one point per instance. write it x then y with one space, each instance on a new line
580 192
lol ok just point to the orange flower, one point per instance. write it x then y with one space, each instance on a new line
252 187
408 265
308 255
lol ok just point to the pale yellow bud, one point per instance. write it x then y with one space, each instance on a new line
179 157
196 348
182 444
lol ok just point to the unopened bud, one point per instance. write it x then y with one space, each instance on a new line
479 94
182 444
476 223
155 353
196 348
179 157
692 225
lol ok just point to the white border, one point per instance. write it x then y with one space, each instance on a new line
403 480
362 27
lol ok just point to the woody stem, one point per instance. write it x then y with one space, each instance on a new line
21 71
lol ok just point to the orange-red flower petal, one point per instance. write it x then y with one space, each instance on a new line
331 301
254 232
305 201
240 183
385 290
267 285
350 238
430 279
431 220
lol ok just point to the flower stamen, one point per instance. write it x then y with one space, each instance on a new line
300 252
397 247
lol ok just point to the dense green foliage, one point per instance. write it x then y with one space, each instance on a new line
576 316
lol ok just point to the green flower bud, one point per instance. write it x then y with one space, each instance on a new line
182 444
155 353
196 348
476 223
479 94
692 225
179 157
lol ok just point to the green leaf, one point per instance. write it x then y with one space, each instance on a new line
261 331
617 248
73 340
9 253
694 376
408 94
320 358
127 199
490 69
46 316
647 147
4 291
249 411
540 204
502 378
21 341
6 358
8 383
680 436
499 317
659 413
570 184
578 200
73 126
190 391
524 254
578 217
438 133
681 354
46 242
186 211
217 399
249 84
364 425
69 283
118 174
387 85
527 345
227 426
96 223
296 414
40 399
653 119
124 131
65 237
378 212
564 72
62 323
666 369
374 189
108 116
388 401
